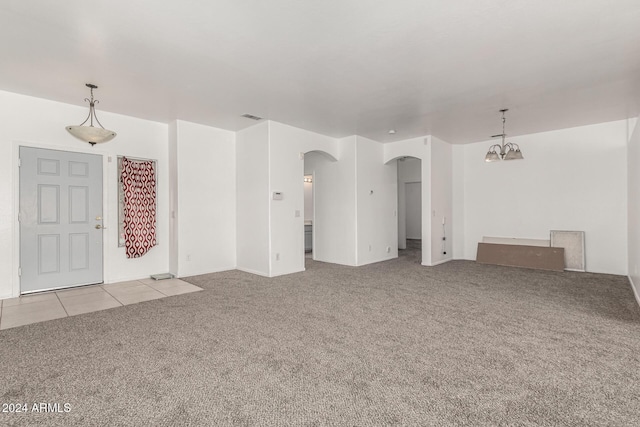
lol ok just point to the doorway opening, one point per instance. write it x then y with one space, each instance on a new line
308 216
410 208
320 212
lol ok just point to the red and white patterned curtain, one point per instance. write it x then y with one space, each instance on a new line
139 185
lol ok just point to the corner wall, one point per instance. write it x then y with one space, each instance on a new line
206 199
441 201
377 204
174 214
252 199
570 179
633 197
457 216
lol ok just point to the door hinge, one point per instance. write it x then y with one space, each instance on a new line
19 162
19 271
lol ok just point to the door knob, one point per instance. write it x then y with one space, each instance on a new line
98 227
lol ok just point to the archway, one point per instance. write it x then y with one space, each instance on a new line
316 202
410 219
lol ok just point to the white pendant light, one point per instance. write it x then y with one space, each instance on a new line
91 134
504 151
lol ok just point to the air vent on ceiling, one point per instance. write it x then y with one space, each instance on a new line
252 117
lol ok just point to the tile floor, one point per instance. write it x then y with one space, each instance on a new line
70 302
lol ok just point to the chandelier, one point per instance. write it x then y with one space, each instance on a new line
504 151
91 134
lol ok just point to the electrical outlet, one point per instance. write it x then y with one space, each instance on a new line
369 248
278 256
388 249
188 257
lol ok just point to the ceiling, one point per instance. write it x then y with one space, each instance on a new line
337 67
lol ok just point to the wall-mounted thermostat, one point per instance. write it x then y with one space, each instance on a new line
277 195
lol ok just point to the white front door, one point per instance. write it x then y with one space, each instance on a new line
60 219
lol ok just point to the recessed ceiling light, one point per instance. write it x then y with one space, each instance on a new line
392 131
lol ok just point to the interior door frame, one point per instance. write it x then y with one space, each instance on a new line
313 215
15 234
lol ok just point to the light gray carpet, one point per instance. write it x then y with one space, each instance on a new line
389 343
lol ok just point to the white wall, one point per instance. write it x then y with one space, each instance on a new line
334 227
633 167
174 214
414 147
41 123
570 179
441 201
286 174
409 170
252 201
377 203
206 180
457 203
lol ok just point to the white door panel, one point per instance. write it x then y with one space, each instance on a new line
60 207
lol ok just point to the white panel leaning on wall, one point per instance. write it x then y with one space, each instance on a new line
573 244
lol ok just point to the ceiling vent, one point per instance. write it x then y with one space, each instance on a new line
252 117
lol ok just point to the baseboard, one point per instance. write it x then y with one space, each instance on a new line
375 261
441 262
250 271
338 262
636 293
287 273
200 272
